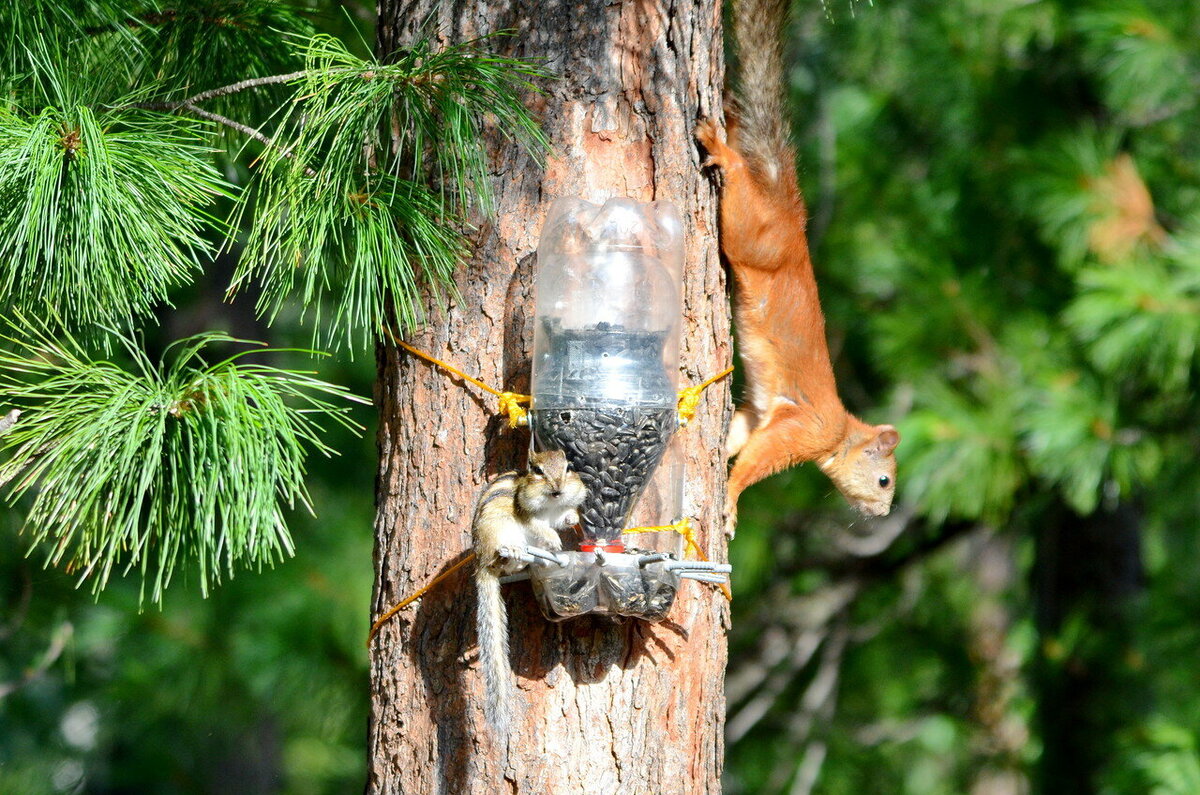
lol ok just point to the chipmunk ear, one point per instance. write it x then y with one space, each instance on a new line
885 441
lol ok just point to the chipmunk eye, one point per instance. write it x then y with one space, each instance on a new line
884 480
535 469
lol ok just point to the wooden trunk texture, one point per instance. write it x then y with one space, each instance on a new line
602 706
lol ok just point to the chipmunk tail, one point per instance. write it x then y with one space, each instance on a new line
491 621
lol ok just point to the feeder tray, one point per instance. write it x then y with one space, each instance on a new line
634 584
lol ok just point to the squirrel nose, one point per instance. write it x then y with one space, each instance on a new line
556 493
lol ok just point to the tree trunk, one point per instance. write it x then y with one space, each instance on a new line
1001 735
604 706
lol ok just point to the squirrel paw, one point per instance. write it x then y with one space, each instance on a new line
709 136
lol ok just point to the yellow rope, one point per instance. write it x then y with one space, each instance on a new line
509 402
686 528
689 398
383 619
510 406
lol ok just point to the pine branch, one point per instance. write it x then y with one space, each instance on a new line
964 436
362 234
155 19
243 85
217 42
232 88
190 104
244 129
322 164
150 466
100 213
274 80
1143 66
33 26
9 420
149 18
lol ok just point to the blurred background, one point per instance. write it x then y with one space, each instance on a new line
1005 219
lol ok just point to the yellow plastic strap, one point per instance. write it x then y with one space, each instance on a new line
689 398
689 401
684 527
510 406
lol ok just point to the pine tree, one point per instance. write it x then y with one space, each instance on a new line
148 147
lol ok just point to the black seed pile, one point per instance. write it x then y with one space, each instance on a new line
621 413
588 586
615 450
660 586
624 589
643 592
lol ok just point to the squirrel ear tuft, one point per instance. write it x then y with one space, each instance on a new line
885 441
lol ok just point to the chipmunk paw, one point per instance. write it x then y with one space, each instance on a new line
509 553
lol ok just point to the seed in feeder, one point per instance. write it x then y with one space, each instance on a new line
614 481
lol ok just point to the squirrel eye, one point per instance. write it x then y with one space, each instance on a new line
884 480
535 469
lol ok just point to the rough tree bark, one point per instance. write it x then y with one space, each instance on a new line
604 706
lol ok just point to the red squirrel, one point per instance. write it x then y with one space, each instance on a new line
793 412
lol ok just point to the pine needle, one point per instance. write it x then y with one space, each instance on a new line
344 218
150 467
102 211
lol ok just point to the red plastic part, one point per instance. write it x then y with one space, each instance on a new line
605 546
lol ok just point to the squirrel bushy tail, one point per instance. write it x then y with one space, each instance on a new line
491 623
759 112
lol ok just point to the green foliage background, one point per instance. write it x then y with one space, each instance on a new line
977 173
994 285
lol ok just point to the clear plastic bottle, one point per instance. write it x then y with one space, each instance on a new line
606 348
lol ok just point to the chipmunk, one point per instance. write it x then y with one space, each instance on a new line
515 511
793 412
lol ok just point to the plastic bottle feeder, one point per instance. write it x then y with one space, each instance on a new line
605 383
